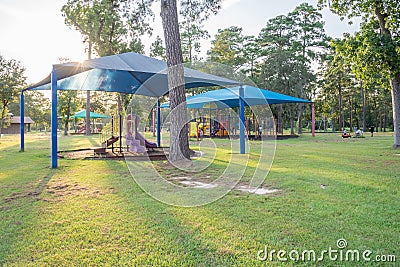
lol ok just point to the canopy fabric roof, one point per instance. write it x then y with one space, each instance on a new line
125 73
82 114
229 97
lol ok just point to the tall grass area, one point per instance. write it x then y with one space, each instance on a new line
91 212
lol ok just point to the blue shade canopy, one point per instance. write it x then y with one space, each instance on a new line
130 73
82 114
229 97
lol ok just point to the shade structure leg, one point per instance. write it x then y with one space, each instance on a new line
54 120
241 123
154 122
158 123
22 121
312 120
210 119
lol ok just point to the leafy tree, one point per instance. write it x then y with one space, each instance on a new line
310 43
375 48
337 83
251 53
290 45
99 101
111 26
279 67
194 13
191 34
157 49
12 79
37 106
227 47
67 105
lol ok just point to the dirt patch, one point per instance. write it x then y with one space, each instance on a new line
76 154
390 162
245 188
15 196
61 190
4 208
257 190
189 182
196 184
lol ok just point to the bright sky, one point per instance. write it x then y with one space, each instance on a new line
34 32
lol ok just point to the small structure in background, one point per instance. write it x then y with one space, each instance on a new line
14 127
95 127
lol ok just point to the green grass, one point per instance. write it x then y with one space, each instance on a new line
90 213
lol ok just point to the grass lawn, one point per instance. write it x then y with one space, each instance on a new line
91 212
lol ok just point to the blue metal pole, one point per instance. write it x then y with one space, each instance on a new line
241 123
22 121
54 119
158 123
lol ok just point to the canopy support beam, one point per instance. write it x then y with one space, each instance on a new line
22 121
54 119
241 123
312 120
153 122
158 123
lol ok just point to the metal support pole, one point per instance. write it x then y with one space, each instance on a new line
241 123
210 120
158 123
120 133
54 119
22 121
153 123
312 120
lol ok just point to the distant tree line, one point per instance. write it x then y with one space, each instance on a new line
354 80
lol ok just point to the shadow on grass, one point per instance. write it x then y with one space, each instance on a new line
24 177
174 236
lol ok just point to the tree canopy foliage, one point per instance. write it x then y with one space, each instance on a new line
12 80
111 26
374 51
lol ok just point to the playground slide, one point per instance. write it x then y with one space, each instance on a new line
134 145
136 141
147 143
83 129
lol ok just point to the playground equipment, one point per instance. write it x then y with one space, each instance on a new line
107 138
224 124
134 140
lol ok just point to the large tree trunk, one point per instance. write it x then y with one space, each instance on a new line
351 114
376 116
384 118
395 84
394 72
179 142
3 115
279 127
364 108
341 115
66 124
300 119
291 111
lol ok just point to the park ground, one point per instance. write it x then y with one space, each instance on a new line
91 212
